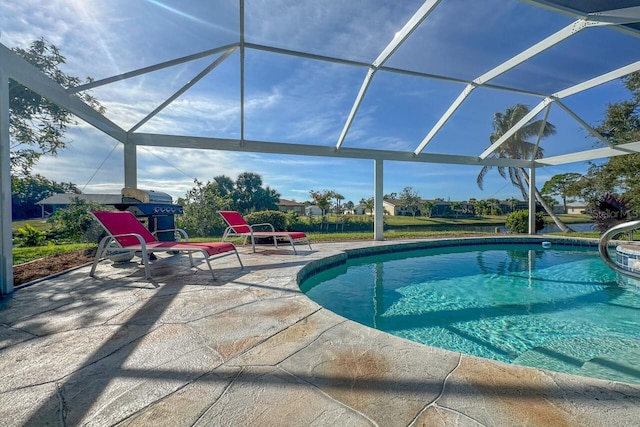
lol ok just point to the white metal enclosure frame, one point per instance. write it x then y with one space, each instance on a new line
14 67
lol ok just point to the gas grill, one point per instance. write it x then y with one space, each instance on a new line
154 208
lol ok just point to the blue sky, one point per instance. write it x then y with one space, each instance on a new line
298 100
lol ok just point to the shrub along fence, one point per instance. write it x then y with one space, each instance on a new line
291 221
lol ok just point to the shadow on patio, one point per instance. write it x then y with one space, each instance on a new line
251 349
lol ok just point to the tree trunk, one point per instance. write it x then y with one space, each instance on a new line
561 225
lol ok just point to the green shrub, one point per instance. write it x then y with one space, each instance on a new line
292 220
76 224
276 218
199 222
30 236
200 217
358 223
318 224
518 221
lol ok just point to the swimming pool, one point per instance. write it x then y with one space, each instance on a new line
559 308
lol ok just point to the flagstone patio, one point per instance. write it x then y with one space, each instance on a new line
251 349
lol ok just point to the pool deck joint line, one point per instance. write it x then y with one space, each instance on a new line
251 349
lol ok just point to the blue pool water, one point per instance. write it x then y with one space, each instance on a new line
559 308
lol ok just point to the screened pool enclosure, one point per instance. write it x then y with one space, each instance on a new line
417 75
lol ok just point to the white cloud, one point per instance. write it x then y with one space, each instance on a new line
357 29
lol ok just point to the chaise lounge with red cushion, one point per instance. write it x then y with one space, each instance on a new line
238 226
127 234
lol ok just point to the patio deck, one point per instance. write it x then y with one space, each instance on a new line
251 349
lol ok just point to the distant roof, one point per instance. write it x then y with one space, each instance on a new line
285 202
398 202
67 199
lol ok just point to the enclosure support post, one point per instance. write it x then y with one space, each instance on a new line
6 243
378 226
532 200
130 164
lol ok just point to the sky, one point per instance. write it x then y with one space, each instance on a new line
301 100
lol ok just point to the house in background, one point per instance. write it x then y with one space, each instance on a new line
394 207
358 209
441 210
312 210
390 206
578 208
285 205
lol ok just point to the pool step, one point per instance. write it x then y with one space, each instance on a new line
607 358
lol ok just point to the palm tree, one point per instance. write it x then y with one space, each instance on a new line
349 206
517 147
494 206
322 199
338 197
368 204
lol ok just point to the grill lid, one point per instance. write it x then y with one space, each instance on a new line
136 195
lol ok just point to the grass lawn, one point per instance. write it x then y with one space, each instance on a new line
24 254
407 221
37 223
573 218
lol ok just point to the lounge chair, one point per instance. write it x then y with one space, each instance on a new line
127 234
239 227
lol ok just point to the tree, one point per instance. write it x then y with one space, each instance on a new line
369 204
337 197
456 207
200 205
409 200
202 202
563 185
249 196
493 206
322 199
550 200
36 125
76 223
349 205
620 174
427 205
225 185
517 147
480 207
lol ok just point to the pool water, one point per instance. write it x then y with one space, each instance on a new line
559 308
